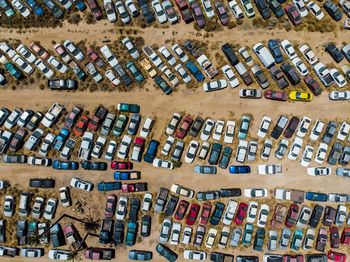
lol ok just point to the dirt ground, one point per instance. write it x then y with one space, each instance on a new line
223 105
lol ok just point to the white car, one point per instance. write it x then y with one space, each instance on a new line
147 202
165 230
21 7
229 132
180 53
252 211
299 64
288 49
135 54
191 151
111 149
307 156
230 76
167 55
170 12
9 206
26 53
248 8
173 123
323 74
308 54
7 49
123 14
319 171
246 56
122 206
109 74
65 198
236 10
23 65
174 81
341 215
109 56
211 237
215 85
37 207
208 8
81 184
343 131
58 254
175 234
304 217
146 128
130 5
124 147
218 130
230 212
57 64
167 146
50 209
295 148
32 160
321 153
224 237
204 151
316 130
309 239
266 151
182 191
98 148
91 69
186 235
339 95
47 72
159 12
157 162
315 10
271 169
194 255
252 150
264 126
338 78
183 73
281 148
255 192
110 10
207 129
303 127
241 151
46 144
263 215
300 5
34 139
74 50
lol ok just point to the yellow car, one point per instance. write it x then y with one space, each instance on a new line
300 96
146 65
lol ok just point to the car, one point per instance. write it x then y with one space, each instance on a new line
312 85
259 239
329 132
130 5
184 127
214 154
120 125
23 65
343 131
300 5
198 15
335 154
276 8
336 256
252 211
157 162
146 225
334 52
334 237
308 54
208 195
304 217
321 239
61 139
280 79
215 85
34 139
236 10
124 147
140 255
315 10
296 242
252 150
165 230
248 8
293 14
255 192
341 215
151 151
222 13
230 76
212 233
319 171
324 74
261 79
338 78
263 9
181 190
170 12
167 253
244 126
250 93
122 12
81 184
307 155
159 11
247 234
333 10
314 196
285 238
31 252
300 96
195 71
346 51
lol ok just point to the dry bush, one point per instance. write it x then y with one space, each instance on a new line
74 19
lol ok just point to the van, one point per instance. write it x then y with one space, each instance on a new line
264 55
23 207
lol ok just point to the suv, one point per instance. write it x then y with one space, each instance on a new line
161 199
291 74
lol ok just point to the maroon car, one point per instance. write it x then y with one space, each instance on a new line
292 215
18 139
279 77
322 239
291 127
110 205
336 256
276 95
329 216
184 11
121 165
95 58
95 9
73 117
345 236
206 209
312 85
222 14
198 15
193 214
293 14
181 210
241 213
184 127
334 233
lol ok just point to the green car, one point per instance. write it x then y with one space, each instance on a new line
131 234
120 125
6 7
166 252
225 157
244 127
140 255
247 234
14 71
135 71
131 108
297 240
259 239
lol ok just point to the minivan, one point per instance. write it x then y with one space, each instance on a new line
264 55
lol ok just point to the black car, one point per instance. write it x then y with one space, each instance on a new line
263 8
247 259
106 232
333 10
280 125
134 209
316 216
334 52
88 165
334 155
2 231
42 182
171 205
290 73
4 114
22 232
196 127
146 11
230 54
57 238
313 85
119 232
221 257
54 8
291 127
230 192
162 84
146 222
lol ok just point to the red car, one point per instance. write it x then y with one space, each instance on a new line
73 237
181 210
121 165
39 50
193 214
312 85
81 125
293 258
184 11
293 14
336 256
184 127
276 95
110 205
292 215
72 117
334 233
345 236
98 117
135 187
95 9
18 139
95 57
206 209
241 213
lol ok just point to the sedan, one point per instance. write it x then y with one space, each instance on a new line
215 85
74 50
230 76
255 192
250 93
81 184
319 171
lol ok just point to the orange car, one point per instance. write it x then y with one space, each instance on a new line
81 126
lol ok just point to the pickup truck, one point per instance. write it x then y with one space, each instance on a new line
269 169
99 253
139 145
106 231
297 196
52 115
86 146
127 175
5 139
8 251
146 65
208 67
109 186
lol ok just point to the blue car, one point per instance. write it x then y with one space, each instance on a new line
127 175
239 169
195 71
313 196
109 186
151 151
275 50
37 9
61 138
81 6
65 165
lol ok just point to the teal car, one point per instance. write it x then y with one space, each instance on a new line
120 125
247 234
244 127
14 71
7 8
140 255
259 239
166 252
297 239
135 71
131 108
225 157
131 234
